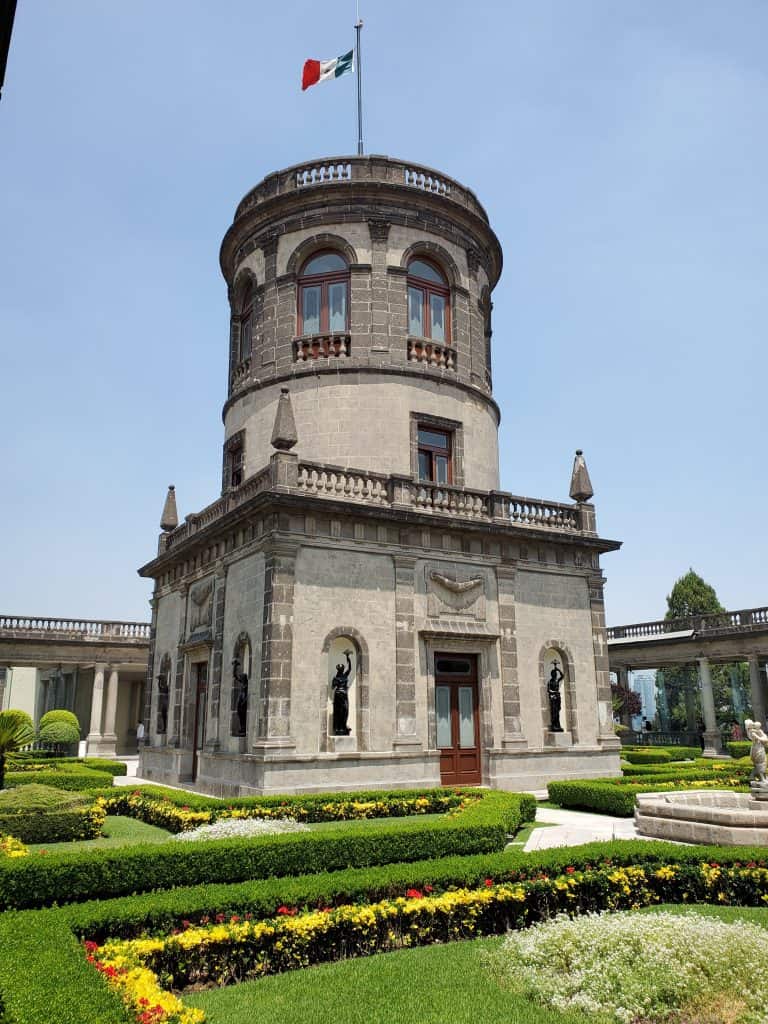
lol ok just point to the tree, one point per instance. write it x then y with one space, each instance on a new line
16 732
626 702
691 595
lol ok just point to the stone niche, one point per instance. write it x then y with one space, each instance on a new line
564 738
337 656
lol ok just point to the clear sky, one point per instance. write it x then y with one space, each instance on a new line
619 148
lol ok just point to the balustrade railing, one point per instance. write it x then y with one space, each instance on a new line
85 629
321 346
431 353
455 501
533 512
719 622
344 170
343 483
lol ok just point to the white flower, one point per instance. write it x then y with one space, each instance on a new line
239 828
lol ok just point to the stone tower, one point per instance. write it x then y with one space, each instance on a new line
362 606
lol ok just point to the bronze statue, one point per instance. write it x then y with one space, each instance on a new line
555 700
340 687
162 701
241 708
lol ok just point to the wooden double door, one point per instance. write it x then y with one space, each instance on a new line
457 718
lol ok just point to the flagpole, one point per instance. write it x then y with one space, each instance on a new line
358 26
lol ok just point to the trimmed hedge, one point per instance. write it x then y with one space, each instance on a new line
74 777
40 762
44 975
738 748
617 796
646 756
675 753
75 876
54 826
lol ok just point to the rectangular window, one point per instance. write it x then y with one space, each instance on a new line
337 306
236 460
437 317
310 309
416 312
434 455
245 337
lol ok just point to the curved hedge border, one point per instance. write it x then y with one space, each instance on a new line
54 826
44 974
617 796
73 778
646 756
72 877
675 753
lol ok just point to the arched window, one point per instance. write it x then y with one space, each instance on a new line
428 302
324 295
246 325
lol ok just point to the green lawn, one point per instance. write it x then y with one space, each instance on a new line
118 831
322 826
433 985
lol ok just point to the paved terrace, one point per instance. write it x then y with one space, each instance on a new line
725 637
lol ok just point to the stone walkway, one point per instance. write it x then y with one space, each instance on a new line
571 828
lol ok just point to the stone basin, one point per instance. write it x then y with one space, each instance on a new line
718 817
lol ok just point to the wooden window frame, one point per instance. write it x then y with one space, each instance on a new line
323 281
428 288
433 451
245 325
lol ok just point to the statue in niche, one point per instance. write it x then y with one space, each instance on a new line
241 707
340 688
555 700
162 700
202 606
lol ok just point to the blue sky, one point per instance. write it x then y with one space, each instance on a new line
619 148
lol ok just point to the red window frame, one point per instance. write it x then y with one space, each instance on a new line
323 281
433 451
428 288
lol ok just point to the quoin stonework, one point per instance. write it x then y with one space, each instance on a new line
363 606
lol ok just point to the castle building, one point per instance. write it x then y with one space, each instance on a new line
363 606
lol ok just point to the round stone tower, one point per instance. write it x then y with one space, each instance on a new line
364 284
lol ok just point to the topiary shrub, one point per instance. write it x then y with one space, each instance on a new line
58 734
60 715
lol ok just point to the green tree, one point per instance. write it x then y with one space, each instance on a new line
691 595
16 732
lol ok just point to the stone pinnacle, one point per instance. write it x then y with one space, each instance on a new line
169 520
581 485
284 435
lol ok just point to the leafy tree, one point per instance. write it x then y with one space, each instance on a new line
691 595
16 732
626 702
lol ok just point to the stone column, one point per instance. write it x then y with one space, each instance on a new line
109 736
379 310
274 708
405 655
756 688
214 707
712 742
606 736
510 691
97 698
173 731
146 712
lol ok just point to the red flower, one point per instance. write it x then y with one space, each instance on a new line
234 919
488 883
287 911
90 947
427 888
569 870
414 894
220 919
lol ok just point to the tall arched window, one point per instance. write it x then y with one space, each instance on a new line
246 325
428 302
324 295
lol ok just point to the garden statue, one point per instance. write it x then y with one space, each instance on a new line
162 702
340 687
555 700
241 708
754 731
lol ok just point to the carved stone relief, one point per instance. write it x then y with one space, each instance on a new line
450 595
201 606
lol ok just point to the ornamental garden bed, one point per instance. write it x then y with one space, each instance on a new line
98 961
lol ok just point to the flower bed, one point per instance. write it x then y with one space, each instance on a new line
45 976
481 826
238 829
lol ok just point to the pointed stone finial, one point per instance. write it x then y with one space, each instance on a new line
284 435
169 520
581 485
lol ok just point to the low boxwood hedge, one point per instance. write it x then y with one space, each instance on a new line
738 748
73 777
646 756
482 827
54 826
44 975
675 753
617 796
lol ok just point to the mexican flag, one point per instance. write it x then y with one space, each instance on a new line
319 70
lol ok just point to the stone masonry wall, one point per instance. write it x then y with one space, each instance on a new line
244 610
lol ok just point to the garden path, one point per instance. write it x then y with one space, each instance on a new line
572 828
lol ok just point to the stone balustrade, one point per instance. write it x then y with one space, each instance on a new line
342 483
12 626
321 346
720 622
398 492
338 172
431 354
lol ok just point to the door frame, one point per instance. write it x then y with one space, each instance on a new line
195 688
454 682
